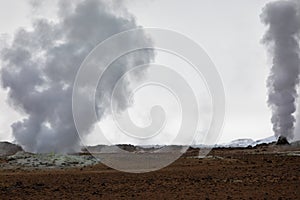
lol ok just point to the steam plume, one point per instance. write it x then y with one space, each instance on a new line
283 21
40 65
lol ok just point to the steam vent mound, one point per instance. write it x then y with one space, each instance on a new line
282 141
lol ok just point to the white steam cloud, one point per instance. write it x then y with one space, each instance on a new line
40 65
283 21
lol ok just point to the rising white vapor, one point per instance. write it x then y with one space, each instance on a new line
283 21
40 65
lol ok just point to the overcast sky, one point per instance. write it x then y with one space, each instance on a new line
229 31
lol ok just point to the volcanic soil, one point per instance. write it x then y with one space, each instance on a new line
263 172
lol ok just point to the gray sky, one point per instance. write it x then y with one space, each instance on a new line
230 32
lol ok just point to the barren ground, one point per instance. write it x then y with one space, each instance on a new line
258 173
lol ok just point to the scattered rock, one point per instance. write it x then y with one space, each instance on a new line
28 160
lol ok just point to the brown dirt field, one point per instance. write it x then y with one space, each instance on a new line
240 174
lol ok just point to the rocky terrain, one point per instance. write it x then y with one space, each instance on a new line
30 161
13 157
266 171
7 149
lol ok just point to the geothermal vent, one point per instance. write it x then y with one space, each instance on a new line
282 39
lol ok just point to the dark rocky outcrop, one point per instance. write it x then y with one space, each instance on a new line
282 141
8 149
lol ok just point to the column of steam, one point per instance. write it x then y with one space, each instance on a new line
283 21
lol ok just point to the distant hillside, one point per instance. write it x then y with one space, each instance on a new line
248 142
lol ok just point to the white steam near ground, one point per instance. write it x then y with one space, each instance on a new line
40 65
282 38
